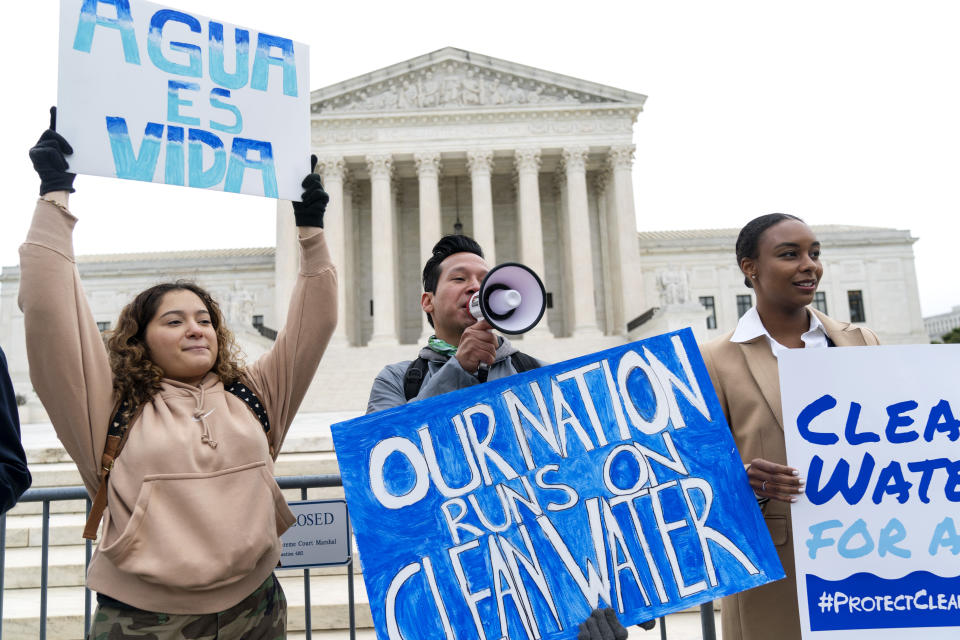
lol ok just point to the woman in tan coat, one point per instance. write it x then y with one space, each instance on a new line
779 256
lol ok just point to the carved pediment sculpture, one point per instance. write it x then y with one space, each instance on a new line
453 85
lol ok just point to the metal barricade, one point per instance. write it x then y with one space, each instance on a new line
53 494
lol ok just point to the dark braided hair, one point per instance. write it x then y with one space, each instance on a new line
749 236
446 247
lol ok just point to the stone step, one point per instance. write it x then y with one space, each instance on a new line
328 596
66 567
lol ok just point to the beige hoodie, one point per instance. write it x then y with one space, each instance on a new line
192 525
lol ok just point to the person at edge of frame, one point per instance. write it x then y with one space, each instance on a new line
193 515
779 256
14 474
464 352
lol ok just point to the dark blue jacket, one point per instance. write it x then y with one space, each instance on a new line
14 475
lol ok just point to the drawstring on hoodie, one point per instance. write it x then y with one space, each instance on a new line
199 416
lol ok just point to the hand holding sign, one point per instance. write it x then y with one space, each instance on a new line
312 205
774 481
48 159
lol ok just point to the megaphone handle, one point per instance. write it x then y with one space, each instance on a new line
483 370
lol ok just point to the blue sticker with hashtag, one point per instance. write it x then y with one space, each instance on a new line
866 601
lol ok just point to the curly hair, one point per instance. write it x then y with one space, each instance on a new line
135 376
749 238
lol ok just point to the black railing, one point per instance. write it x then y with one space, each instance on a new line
640 319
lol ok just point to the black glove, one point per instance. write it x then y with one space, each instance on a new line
313 203
602 625
649 624
49 161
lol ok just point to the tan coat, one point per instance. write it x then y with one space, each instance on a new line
192 525
747 382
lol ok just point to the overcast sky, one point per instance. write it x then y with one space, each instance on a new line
839 111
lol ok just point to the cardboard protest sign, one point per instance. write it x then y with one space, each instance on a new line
874 431
513 508
162 95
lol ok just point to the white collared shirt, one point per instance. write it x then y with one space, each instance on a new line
750 326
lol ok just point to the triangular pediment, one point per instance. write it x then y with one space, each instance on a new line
452 78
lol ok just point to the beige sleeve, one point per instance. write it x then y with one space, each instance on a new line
68 362
282 375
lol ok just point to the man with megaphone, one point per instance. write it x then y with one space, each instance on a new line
464 350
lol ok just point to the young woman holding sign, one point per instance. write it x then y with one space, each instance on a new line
779 256
193 515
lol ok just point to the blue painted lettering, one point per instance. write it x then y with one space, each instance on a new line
155 44
897 419
239 161
262 61
199 177
127 165
857 529
941 419
90 19
174 101
839 481
945 535
237 125
817 541
218 73
891 481
174 157
811 411
890 535
850 431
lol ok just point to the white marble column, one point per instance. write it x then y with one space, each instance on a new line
579 250
286 263
606 255
625 289
332 170
384 260
428 172
350 318
530 227
480 165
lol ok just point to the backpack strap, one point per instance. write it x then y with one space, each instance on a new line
245 393
117 437
413 378
522 362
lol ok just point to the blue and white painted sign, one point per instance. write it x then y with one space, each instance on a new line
874 431
513 508
162 95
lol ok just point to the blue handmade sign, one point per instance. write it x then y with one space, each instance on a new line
875 431
513 508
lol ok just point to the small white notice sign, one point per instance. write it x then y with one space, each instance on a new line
319 537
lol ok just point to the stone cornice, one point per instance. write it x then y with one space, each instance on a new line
445 116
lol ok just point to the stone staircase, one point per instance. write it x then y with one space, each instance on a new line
308 450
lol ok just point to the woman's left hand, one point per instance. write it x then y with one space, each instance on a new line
774 481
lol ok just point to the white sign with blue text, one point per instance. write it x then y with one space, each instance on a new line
512 508
874 431
151 93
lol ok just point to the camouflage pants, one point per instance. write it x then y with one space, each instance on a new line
260 616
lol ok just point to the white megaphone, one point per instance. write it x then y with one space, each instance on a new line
511 298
